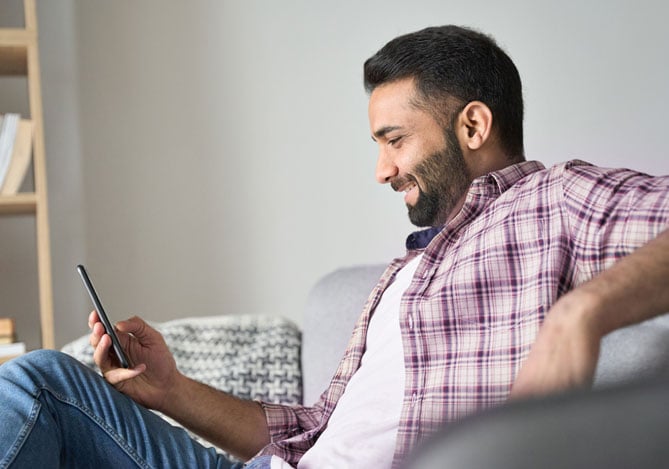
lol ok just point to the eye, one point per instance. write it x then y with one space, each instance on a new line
393 142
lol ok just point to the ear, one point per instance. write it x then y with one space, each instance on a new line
475 124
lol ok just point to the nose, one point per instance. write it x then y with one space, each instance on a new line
385 168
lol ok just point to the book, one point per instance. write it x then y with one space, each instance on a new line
8 128
20 158
7 332
7 327
13 350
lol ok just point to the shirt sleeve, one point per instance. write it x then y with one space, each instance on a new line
612 212
288 421
293 430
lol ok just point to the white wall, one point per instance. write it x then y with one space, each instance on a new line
226 161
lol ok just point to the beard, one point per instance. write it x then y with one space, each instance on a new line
442 179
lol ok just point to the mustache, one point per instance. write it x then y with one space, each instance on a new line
399 182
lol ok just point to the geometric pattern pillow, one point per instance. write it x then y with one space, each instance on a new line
250 356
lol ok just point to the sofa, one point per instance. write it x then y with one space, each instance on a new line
271 358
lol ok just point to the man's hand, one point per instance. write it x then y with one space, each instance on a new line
154 372
237 425
565 353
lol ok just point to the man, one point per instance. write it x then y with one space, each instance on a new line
510 246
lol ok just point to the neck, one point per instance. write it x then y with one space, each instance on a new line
482 163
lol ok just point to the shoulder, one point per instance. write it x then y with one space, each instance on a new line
580 178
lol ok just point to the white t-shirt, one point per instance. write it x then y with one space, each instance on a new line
363 427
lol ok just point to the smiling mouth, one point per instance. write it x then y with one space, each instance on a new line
408 186
403 184
410 191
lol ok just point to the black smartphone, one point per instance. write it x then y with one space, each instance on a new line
109 328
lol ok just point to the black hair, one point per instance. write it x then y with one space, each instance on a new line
453 62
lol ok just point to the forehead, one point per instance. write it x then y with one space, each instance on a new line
393 105
392 97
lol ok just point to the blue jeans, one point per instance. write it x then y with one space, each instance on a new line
54 412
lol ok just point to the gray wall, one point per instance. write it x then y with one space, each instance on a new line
213 157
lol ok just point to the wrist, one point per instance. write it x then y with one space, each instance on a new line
174 391
581 308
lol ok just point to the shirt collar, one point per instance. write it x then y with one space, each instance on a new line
491 184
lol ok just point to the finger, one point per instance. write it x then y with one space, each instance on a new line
102 356
93 319
96 334
117 376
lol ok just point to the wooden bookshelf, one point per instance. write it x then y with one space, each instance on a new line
19 204
19 55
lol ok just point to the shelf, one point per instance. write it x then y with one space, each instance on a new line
19 55
25 202
17 36
14 50
13 60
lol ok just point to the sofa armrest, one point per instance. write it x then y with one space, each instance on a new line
617 428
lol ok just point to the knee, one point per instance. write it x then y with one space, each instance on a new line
40 364
44 359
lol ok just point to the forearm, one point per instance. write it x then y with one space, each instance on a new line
234 424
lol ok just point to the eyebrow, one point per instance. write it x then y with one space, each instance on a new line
383 131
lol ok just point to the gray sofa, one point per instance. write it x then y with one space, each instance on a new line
277 361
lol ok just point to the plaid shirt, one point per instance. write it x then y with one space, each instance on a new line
524 237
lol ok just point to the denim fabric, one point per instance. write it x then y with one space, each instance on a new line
261 462
57 412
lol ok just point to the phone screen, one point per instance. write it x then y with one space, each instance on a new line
109 328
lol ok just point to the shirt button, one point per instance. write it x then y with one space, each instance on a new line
414 398
411 322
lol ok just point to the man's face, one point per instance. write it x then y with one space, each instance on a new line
416 156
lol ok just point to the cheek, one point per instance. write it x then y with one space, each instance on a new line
413 160
428 174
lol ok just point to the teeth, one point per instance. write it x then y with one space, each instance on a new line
409 188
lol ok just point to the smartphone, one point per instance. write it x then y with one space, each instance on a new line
109 328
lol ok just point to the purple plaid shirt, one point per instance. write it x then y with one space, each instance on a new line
524 237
